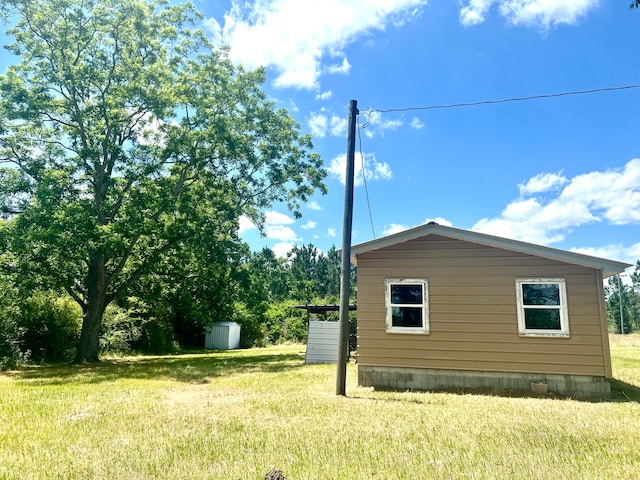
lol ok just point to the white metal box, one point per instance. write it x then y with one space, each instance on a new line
222 336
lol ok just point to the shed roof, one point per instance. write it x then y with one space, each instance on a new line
608 267
323 309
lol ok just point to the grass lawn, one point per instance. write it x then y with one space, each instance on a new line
236 415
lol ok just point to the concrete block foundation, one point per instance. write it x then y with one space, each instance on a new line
396 378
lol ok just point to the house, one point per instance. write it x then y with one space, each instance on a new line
440 307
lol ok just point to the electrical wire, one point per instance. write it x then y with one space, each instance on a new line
364 177
369 112
504 100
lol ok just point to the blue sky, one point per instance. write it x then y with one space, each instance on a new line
563 172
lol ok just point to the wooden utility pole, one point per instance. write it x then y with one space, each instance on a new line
345 270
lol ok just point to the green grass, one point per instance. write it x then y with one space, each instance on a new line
236 415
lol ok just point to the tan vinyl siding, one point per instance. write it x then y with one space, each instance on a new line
473 311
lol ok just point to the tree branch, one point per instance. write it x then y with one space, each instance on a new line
79 300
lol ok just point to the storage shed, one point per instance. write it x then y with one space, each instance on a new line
222 336
441 307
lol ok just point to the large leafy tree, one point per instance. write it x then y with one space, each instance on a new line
125 134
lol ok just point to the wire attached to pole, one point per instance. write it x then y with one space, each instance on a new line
504 100
364 178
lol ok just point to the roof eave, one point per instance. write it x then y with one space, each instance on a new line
608 267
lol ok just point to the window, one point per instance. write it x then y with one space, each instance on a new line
407 305
542 307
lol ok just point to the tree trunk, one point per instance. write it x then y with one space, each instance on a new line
89 345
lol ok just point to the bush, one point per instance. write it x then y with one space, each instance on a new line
252 327
295 326
156 336
10 333
120 330
135 328
285 323
50 327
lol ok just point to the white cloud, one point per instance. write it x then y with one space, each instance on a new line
416 123
282 233
397 227
527 231
382 171
309 225
314 205
440 221
276 218
633 253
318 124
376 124
475 11
282 249
331 232
275 223
294 37
324 95
394 228
615 193
531 13
542 182
374 170
602 252
293 107
613 251
612 196
343 67
338 126
245 224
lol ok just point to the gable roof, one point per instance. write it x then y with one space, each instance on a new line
608 267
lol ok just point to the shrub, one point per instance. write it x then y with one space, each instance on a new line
285 323
295 326
156 336
10 333
50 327
252 326
120 330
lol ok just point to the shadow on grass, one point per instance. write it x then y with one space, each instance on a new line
188 368
624 392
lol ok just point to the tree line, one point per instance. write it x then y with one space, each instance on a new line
623 303
256 289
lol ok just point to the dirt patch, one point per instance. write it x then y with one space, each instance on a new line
203 394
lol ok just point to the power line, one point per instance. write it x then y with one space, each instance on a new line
468 104
504 100
364 177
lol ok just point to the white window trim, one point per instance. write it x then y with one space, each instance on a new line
564 313
424 329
